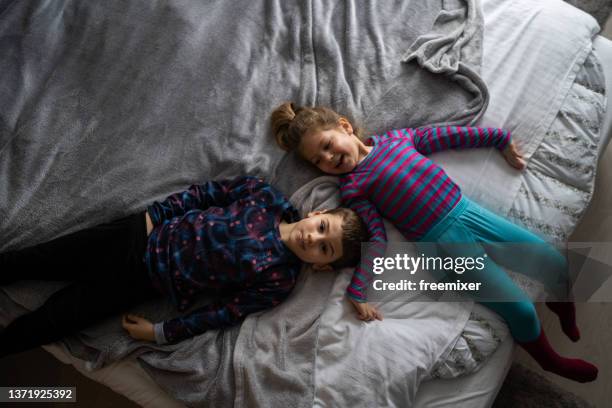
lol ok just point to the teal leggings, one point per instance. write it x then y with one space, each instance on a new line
469 230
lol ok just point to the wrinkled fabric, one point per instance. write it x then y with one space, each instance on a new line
108 106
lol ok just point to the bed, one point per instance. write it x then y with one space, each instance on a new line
480 388
578 90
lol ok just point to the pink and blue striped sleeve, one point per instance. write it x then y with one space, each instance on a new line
430 140
362 276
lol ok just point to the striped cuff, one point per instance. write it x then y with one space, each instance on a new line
504 142
357 298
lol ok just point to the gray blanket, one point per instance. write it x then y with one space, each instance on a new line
107 106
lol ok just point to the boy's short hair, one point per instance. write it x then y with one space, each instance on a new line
354 232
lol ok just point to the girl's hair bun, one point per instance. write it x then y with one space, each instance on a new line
281 121
296 109
290 122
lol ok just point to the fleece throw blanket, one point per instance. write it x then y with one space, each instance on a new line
108 106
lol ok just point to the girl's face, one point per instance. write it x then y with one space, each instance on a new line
333 151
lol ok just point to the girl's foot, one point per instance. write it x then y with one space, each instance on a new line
571 368
566 311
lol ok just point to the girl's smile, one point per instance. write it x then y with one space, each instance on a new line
334 151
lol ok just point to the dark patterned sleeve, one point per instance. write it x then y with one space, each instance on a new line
201 196
270 289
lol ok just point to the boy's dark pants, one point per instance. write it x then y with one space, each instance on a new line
107 272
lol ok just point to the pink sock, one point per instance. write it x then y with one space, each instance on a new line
572 368
566 312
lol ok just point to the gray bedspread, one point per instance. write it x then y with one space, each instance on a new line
107 106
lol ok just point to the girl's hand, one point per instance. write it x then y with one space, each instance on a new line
513 157
138 327
366 311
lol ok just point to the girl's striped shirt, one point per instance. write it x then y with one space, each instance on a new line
398 182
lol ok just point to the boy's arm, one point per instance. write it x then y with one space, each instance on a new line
376 248
274 287
201 196
430 140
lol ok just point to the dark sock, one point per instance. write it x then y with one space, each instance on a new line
566 311
571 368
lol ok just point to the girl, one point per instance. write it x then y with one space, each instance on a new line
389 176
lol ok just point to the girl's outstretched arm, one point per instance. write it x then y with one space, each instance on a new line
430 140
357 289
201 196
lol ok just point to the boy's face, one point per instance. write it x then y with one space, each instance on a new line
317 239
333 151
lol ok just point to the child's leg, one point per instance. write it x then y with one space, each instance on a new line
525 325
75 307
72 257
519 313
524 252
112 276
519 249
497 290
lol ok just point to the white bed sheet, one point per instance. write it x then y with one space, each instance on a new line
476 390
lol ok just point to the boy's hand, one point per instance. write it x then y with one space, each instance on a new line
366 311
138 327
513 157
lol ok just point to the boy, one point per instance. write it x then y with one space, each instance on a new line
239 236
